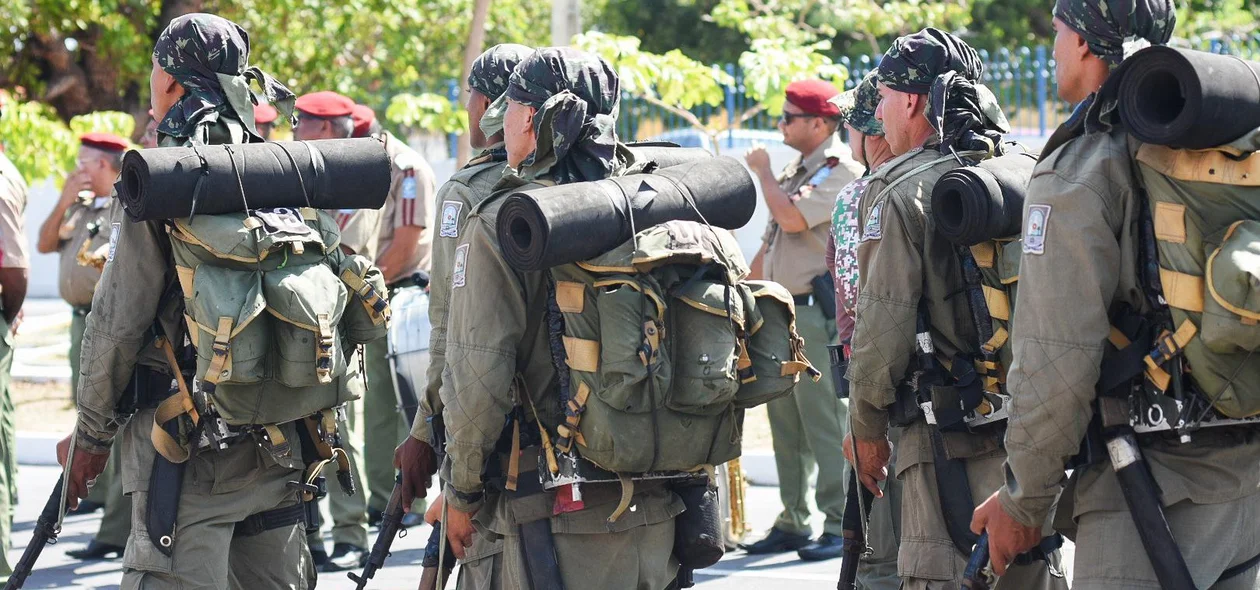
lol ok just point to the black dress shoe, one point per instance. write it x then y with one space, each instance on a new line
375 517
95 551
828 546
776 541
346 557
85 507
319 555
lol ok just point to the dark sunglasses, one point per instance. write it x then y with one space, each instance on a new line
786 118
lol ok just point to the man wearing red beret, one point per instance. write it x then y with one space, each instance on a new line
265 117
808 427
78 228
365 123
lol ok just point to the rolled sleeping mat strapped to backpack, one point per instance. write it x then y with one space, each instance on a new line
1188 99
547 227
975 204
331 174
652 156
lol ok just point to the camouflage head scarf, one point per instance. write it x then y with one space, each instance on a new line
914 61
857 106
209 56
577 96
490 75
1106 24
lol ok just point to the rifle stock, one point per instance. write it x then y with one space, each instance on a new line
431 574
854 532
46 530
974 577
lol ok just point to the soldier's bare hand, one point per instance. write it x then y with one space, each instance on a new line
1007 537
459 530
87 466
417 462
872 465
758 159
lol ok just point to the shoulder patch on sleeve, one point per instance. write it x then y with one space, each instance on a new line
874 229
409 186
821 175
450 219
113 240
460 269
1035 229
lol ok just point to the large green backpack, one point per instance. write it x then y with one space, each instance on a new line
1204 207
665 344
275 310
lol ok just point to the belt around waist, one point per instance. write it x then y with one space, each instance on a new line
806 299
81 310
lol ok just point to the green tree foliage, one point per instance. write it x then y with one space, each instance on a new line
41 146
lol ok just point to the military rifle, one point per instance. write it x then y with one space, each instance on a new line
391 524
437 563
47 527
855 546
976 576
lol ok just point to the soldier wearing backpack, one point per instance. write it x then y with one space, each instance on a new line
1086 268
237 331
915 318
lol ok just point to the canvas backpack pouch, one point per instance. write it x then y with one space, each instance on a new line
628 309
1231 307
308 301
226 318
703 316
367 313
774 348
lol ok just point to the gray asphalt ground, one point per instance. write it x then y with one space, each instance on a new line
55 570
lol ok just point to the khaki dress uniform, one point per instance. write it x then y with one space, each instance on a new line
491 338
808 427
220 488
901 261
84 248
482 565
410 204
1087 264
13 254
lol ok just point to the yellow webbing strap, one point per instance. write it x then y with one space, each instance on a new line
1215 165
220 362
583 355
514 460
1168 346
573 418
1181 290
744 366
985 254
1246 316
1000 336
324 349
1169 220
298 248
799 361
171 408
278 443
570 296
1118 339
252 223
549 450
652 340
368 295
309 214
998 303
627 495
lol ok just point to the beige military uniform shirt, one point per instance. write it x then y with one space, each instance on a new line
360 230
84 246
902 261
410 201
460 195
1082 264
812 181
14 251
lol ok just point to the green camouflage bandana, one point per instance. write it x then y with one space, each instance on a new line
577 96
857 106
1107 24
209 55
490 75
914 61
965 115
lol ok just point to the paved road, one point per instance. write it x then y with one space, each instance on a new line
736 571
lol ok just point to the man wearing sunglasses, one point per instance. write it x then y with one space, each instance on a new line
807 427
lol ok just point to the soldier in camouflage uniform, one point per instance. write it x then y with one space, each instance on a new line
200 89
877 571
1082 264
559 129
487 82
904 265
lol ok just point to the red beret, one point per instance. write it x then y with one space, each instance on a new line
363 116
264 114
107 142
811 96
325 104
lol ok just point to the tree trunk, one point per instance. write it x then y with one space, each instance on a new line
476 40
